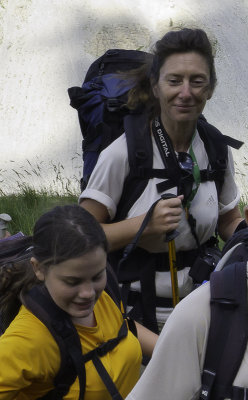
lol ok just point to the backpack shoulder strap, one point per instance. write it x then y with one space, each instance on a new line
39 302
228 332
140 157
210 131
216 145
113 289
240 236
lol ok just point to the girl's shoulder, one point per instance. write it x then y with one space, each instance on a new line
26 327
34 355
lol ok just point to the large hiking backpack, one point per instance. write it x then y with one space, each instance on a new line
58 322
228 332
101 102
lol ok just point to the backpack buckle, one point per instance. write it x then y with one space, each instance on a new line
101 350
208 378
239 392
113 104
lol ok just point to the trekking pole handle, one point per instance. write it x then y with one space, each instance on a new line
169 236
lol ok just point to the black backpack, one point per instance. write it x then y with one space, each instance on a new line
228 332
39 302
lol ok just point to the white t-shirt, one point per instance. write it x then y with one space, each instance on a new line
175 369
106 184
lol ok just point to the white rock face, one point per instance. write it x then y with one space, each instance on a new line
46 47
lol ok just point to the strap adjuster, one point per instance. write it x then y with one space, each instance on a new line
208 378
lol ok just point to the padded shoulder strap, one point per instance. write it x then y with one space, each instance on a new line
39 302
240 236
140 157
216 145
208 131
228 331
112 287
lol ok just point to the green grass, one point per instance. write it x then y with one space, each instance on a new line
28 205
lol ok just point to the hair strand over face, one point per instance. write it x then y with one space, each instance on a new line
173 42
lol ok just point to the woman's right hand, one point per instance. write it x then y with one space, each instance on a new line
165 218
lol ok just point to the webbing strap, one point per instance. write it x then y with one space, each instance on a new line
105 347
131 246
230 392
239 393
167 152
115 395
212 358
100 351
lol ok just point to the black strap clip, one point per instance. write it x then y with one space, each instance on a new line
208 378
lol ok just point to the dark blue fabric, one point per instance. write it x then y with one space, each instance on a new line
96 91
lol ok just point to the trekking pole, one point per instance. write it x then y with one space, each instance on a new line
173 272
169 237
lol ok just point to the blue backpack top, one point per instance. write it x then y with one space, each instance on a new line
101 102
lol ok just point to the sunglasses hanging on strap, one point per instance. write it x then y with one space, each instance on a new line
183 172
180 166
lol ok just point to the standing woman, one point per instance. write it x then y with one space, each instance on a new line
174 90
68 269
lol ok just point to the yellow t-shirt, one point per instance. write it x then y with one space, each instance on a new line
30 359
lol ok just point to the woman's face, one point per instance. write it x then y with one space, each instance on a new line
76 284
183 87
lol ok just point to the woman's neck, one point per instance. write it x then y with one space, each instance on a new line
180 133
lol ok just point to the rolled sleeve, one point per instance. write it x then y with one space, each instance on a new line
101 198
107 179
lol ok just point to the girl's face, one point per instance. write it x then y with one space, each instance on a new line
183 87
76 284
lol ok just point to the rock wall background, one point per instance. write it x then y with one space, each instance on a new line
46 47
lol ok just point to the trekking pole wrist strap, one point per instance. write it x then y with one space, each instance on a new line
131 246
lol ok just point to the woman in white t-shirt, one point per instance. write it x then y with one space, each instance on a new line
174 89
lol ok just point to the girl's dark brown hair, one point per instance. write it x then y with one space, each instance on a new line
60 234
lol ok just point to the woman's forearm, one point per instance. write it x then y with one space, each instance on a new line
165 218
228 222
119 234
